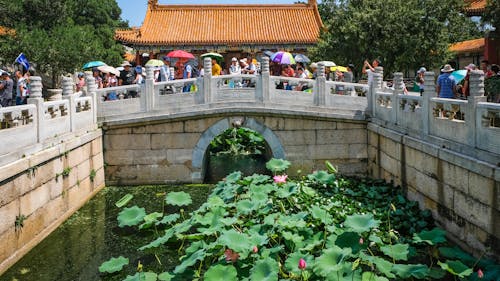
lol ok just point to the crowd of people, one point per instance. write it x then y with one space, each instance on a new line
14 92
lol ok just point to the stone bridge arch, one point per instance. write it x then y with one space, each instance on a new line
201 148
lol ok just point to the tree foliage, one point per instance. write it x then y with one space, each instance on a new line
492 14
59 36
403 34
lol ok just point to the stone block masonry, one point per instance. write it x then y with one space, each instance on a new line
40 191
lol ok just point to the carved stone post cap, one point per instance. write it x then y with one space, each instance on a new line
321 69
149 72
36 87
207 66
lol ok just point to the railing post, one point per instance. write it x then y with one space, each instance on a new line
476 90
207 80
320 87
148 97
68 94
374 87
398 89
429 92
36 99
92 92
262 92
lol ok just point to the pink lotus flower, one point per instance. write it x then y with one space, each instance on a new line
231 256
361 241
480 273
280 178
302 264
255 249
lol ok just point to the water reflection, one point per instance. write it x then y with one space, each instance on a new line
91 236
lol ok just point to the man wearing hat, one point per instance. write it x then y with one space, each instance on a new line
6 88
446 84
128 77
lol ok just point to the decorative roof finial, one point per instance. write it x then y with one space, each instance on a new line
152 4
312 2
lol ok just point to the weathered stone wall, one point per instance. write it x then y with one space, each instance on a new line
462 192
173 150
46 188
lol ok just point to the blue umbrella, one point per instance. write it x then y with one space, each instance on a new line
268 53
459 75
91 64
302 58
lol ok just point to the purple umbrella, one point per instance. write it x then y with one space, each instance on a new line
283 58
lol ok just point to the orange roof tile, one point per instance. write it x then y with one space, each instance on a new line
475 7
171 25
474 45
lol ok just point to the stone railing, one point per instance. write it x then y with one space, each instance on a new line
27 129
470 123
252 91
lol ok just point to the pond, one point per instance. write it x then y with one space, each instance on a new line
91 236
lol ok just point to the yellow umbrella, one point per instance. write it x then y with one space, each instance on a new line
338 68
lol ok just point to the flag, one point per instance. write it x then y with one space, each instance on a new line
22 60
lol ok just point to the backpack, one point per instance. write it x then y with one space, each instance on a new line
195 72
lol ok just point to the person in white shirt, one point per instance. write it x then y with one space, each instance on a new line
370 69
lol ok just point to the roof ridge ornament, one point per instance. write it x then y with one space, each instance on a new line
152 4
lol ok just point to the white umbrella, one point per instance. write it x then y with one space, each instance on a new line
109 69
327 63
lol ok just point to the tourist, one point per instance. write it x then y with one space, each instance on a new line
369 69
186 74
128 77
97 78
111 81
165 74
302 75
140 75
234 68
446 85
250 68
287 71
465 89
492 93
216 68
21 88
419 80
80 84
6 88
486 68
314 69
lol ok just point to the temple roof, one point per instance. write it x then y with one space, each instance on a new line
229 25
475 7
469 46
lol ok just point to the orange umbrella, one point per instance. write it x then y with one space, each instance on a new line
180 54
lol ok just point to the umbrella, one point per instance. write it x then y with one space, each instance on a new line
459 75
215 56
109 69
180 54
268 53
283 58
302 58
155 62
338 68
327 63
91 64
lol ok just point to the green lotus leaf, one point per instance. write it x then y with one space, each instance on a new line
308 191
238 242
190 261
457 253
124 200
321 214
165 276
293 237
331 261
221 272
169 219
322 177
131 216
432 237
113 265
286 190
382 265
292 262
246 206
180 198
257 179
233 177
160 240
312 242
142 276
153 217
374 238
397 251
438 273
370 276
277 165
456 268
265 270
263 188
349 240
419 271
361 223
259 197
215 201
257 239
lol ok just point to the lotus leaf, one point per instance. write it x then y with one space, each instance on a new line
190 261
361 223
295 238
215 201
277 165
131 216
322 177
292 262
349 240
124 200
287 190
371 276
308 191
419 271
113 264
238 242
382 265
432 237
180 198
456 268
397 252
233 177
246 206
142 276
322 215
265 270
165 276
221 272
331 261
457 253
160 240
257 179
169 219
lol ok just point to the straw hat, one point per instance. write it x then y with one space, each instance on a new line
447 68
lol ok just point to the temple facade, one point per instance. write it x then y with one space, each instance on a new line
231 30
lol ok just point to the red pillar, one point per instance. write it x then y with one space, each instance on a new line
492 48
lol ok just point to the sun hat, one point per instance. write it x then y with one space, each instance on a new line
314 65
234 59
422 70
126 63
5 73
471 67
447 68
165 58
244 60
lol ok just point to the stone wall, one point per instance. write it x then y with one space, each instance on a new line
462 192
173 150
46 188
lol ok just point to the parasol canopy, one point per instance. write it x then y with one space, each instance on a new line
459 75
327 63
155 62
180 54
302 58
283 58
91 64
109 69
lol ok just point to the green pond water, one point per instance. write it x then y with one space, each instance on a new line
91 236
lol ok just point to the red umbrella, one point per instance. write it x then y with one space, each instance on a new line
180 54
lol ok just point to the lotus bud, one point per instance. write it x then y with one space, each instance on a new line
480 273
302 264
255 249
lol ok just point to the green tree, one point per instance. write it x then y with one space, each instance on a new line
403 34
59 36
492 14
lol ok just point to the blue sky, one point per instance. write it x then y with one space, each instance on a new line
134 10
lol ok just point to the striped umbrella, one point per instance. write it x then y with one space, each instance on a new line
283 58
